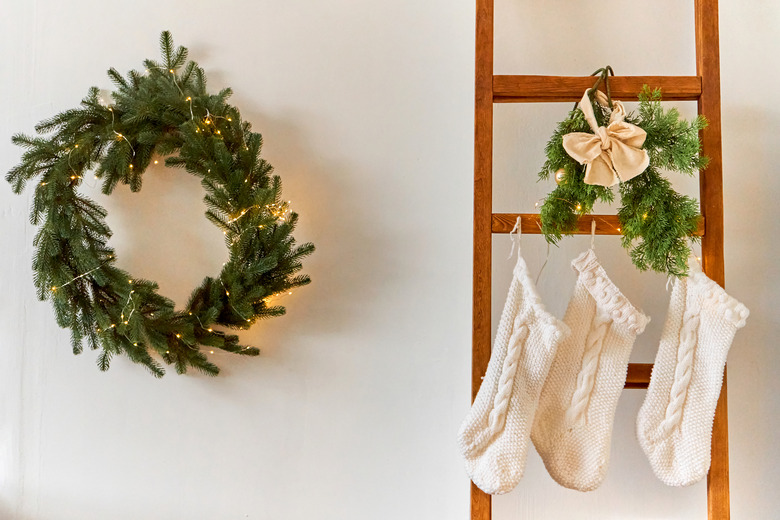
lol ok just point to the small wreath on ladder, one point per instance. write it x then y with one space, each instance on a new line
598 146
165 111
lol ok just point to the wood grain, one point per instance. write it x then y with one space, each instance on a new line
718 494
529 222
638 375
711 201
529 89
481 504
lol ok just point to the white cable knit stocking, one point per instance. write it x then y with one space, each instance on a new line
494 436
674 425
573 425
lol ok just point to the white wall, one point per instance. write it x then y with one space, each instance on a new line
351 413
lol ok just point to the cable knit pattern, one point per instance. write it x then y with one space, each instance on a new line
674 424
497 416
683 371
590 362
572 430
494 437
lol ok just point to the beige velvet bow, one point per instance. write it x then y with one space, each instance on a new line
612 154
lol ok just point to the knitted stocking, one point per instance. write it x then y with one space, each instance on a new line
674 425
573 425
494 436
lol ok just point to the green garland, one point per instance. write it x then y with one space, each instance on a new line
163 112
656 221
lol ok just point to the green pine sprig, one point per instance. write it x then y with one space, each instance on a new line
656 221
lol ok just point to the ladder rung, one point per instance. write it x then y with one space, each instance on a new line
529 89
638 375
529 222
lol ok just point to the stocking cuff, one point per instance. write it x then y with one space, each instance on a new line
716 298
555 329
608 297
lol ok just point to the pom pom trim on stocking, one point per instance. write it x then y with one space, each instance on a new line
608 297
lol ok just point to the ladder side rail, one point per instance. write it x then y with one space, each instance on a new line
711 201
481 504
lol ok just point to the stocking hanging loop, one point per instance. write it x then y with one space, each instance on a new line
517 231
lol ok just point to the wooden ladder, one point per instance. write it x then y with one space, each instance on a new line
490 89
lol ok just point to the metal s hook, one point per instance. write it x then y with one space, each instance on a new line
603 76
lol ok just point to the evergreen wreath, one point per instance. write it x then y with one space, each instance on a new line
656 221
165 111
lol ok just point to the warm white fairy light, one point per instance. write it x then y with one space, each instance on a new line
118 135
243 212
54 287
281 211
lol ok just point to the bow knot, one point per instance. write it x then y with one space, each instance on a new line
601 132
612 154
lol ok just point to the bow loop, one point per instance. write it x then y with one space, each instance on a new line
612 154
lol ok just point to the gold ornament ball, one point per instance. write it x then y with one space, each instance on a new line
560 175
